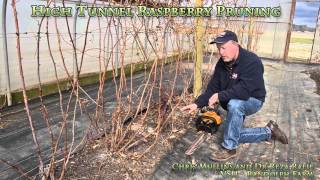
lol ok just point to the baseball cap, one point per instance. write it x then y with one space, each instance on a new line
224 37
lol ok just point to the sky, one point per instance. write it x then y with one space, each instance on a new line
306 13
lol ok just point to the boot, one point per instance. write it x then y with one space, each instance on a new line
277 133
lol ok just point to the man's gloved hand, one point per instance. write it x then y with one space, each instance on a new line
214 99
189 108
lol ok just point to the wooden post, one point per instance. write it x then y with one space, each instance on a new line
199 54
314 35
286 49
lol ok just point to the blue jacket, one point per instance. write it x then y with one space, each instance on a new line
243 80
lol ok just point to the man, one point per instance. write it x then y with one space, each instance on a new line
238 86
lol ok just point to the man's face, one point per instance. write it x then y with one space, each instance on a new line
228 51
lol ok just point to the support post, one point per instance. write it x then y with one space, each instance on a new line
314 35
199 54
292 11
5 53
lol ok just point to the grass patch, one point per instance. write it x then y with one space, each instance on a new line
301 40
